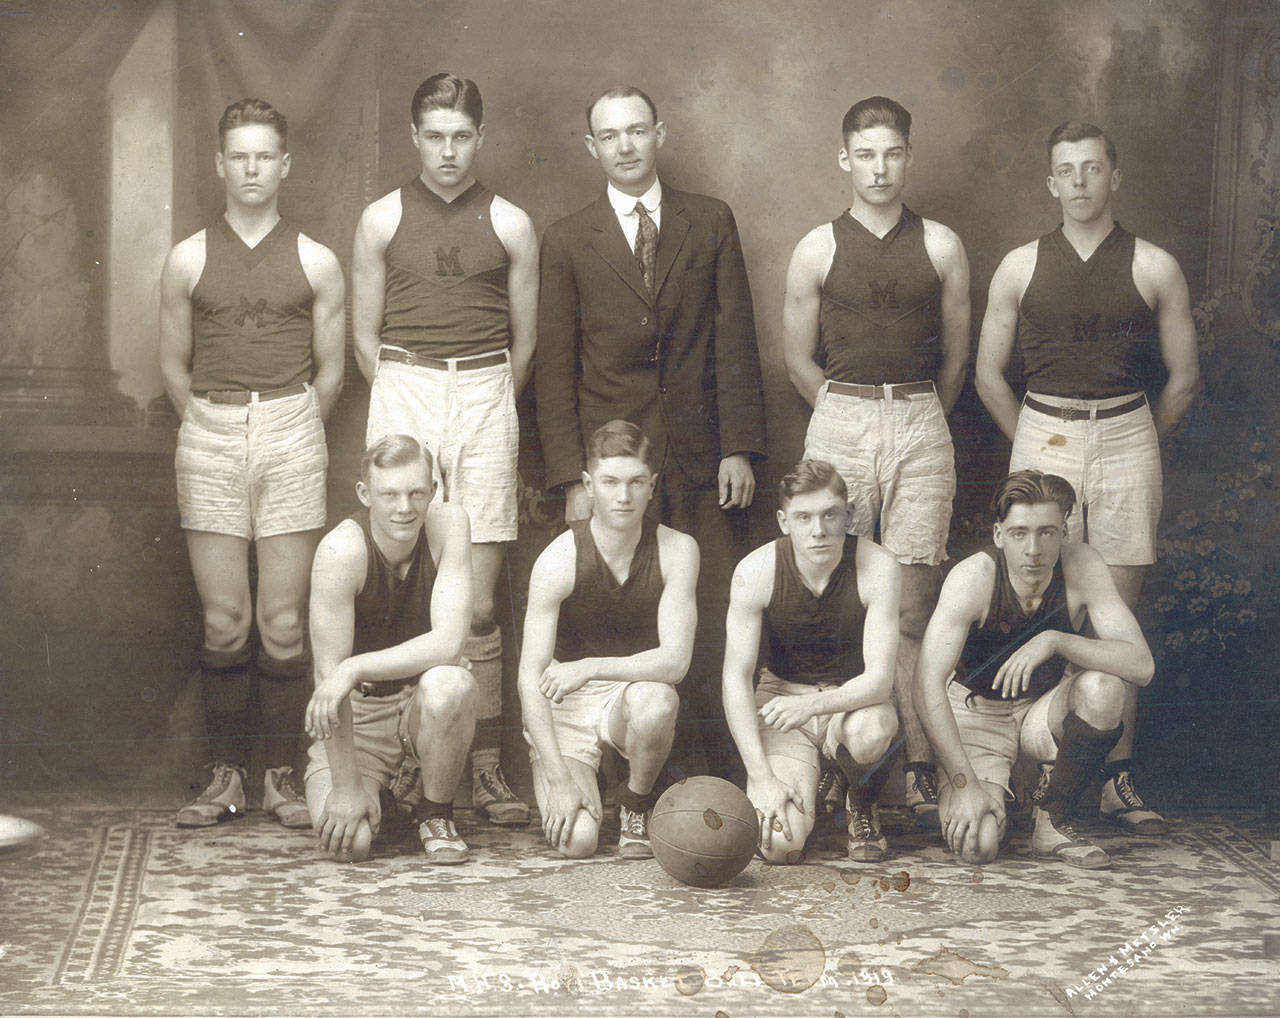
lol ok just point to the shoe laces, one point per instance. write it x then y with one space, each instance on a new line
927 784
492 781
632 822
220 782
441 828
285 785
1126 793
862 823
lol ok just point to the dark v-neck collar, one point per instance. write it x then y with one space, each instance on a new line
252 255
1086 265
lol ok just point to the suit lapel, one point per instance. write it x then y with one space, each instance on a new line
671 234
610 243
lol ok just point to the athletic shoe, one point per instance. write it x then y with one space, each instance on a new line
281 800
867 842
222 800
491 796
441 842
1052 837
406 788
922 794
633 838
1121 804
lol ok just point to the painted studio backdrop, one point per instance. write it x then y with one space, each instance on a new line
107 136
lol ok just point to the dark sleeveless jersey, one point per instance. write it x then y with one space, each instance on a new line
1008 627
446 289
250 313
605 618
880 319
390 610
814 639
1084 329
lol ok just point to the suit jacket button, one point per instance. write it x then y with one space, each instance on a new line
644 321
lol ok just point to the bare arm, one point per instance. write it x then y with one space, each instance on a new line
181 270
677 621
749 594
880 587
369 279
948 257
1178 349
549 584
995 343
449 529
1119 648
809 265
328 320
962 602
515 230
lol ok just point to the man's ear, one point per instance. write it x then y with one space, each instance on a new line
362 493
782 522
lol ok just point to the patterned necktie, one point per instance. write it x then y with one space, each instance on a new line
646 245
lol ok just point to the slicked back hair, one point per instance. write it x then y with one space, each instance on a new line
252 111
621 92
445 91
1032 487
1079 130
876 111
619 438
393 451
811 475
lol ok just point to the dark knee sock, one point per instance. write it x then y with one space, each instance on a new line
225 687
283 692
637 802
1080 754
428 809
865 780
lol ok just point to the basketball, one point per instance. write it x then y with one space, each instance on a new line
15 832
704 831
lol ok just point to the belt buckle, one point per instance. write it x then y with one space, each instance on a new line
365 688
1073 413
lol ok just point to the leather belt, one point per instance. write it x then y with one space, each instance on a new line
242 397
879 391
1077 413
486 360
381 689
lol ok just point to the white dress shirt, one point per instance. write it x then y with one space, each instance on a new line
624 207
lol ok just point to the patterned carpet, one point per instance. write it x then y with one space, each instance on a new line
119 913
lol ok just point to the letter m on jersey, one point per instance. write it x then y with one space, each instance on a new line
882 294
449 264
1085 330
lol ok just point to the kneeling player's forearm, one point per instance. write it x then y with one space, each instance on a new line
1125 660
408 659
661 664
865 690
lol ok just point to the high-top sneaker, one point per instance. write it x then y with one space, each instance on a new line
281 800
1121 804
1052 837
633 838
222 800
867 842
491 796
922 794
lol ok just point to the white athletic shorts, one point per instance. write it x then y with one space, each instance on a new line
467 419
896 458
581 722
1113 465
252 470
995 732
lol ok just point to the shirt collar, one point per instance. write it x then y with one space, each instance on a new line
625 204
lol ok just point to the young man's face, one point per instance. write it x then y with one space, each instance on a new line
1082 178
816 522
1030 538
625 140
877 160
620 489
397 498
447 142
252 164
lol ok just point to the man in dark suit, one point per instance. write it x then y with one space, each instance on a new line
645 314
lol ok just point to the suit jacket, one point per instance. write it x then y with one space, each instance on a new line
683 364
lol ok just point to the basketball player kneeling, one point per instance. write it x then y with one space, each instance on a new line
607 636
827 603
390 608
1004 670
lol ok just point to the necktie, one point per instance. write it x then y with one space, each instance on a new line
646 245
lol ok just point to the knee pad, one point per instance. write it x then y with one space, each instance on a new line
485 654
